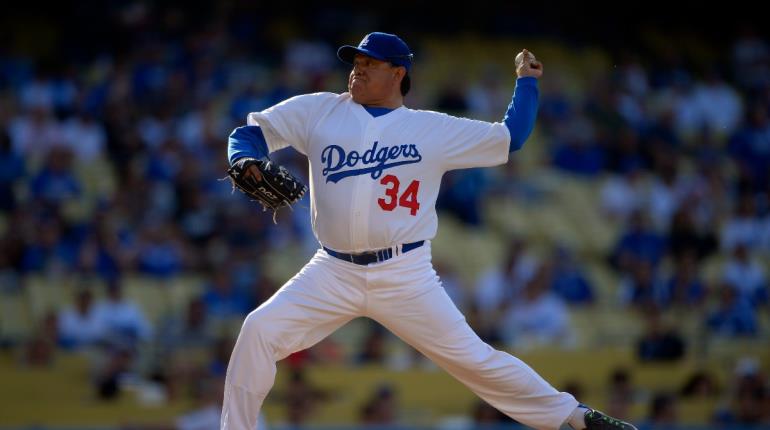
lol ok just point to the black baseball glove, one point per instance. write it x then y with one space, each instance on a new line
278 187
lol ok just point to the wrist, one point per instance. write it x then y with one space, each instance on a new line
526 80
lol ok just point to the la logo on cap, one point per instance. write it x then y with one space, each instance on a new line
365 41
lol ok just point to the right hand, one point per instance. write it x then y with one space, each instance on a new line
527 65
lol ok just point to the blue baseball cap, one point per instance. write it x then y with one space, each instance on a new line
382 46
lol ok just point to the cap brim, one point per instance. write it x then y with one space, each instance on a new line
347 53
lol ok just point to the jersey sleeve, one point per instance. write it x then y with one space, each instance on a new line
469 143
290 122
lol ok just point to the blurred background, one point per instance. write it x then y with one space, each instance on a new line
623 252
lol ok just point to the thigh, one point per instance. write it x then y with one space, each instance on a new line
309 307
422 315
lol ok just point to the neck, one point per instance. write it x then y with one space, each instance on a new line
393 102
389 105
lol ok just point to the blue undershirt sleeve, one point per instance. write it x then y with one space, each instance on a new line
522 112
246 141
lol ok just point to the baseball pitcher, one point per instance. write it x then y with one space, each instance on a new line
375 171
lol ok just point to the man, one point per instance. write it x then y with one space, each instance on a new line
375 171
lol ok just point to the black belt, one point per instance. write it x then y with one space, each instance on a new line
377 256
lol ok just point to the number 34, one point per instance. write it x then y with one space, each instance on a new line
408 199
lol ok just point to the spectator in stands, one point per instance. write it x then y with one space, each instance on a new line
749 397
685 288
710 196
734 316
719 105
638 243
750 58
702 383
620 394
222 299
686 240
538 317
576 151
643 287
743 226
451 97
160 251
623 194
301 399
462 194
500 284
373 351
220 356
80 325
746 275
749 146
122 319
568 280
85 137
12 171
192 329
56 183
106 248
486 97
625 157
381 409
50 251
663 413
667 190
40 349
34 133
116 370
659 342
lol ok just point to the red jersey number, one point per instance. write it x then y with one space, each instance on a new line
408 199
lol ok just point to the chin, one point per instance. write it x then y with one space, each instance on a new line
357 97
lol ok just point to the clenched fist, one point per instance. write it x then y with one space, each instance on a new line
527 65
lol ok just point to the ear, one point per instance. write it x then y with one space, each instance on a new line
400 72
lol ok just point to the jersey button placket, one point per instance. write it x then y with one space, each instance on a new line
366 186
358 229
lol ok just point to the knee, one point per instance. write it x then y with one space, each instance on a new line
256 327
487 361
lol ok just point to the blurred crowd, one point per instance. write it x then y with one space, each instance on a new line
112 165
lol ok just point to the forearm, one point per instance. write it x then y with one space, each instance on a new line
522 112
246 141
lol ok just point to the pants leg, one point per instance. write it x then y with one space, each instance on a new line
316 302
411 303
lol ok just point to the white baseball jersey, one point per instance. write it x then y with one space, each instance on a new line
373 184
374 180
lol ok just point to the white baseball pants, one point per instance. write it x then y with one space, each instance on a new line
404 295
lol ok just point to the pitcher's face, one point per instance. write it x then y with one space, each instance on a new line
373 80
